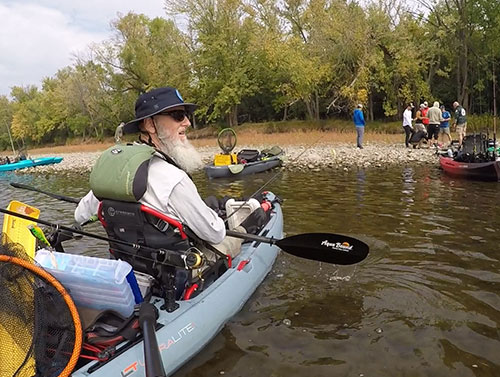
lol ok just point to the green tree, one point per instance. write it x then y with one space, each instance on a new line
225 59
6 112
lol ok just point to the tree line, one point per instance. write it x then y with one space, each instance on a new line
269 60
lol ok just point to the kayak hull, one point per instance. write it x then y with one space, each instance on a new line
189 328
227 171
484 171
30 163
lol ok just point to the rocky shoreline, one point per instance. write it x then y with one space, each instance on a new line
302 158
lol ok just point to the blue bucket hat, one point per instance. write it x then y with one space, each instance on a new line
153 102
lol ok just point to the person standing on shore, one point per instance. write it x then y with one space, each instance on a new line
359 122
460 121
419 119
444 137
425 119
407 127
434 117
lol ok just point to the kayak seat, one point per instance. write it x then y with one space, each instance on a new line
140 225
247 155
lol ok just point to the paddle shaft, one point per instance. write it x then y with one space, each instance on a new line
55 196
251 237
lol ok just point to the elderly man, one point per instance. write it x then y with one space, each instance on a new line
162 118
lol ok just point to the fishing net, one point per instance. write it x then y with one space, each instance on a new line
40 330
227 140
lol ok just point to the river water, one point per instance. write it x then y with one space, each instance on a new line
425 302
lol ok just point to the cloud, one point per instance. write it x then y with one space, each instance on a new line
39 39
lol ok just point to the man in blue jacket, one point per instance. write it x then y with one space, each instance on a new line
359 122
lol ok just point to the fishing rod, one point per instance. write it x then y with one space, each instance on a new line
323 247
55 196
190 260
494 115
259 190
10 137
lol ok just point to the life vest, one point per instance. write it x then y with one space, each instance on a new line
460 115
121 172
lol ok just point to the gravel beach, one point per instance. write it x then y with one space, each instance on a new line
338 156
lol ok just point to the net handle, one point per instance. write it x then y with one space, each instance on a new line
67 299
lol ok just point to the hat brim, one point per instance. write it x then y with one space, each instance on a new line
133 126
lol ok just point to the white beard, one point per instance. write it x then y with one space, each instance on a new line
182 152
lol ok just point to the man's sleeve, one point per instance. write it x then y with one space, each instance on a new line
186 202
86 208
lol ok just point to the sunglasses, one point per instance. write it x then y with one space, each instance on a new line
177 115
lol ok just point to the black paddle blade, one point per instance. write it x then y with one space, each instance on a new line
325 247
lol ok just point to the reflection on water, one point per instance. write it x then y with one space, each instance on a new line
424 303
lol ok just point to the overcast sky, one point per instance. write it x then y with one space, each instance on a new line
38 37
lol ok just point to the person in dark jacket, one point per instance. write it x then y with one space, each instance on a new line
359 122
460 121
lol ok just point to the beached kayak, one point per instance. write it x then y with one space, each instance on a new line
188 329
236 170
28 163
485 171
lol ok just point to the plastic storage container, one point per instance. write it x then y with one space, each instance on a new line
95 283
144 281
242 213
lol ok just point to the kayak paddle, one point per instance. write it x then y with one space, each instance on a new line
322 247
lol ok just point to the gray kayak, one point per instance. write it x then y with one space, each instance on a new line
235 170
189 328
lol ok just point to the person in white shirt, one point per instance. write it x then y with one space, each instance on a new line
407 127
162 120
434 115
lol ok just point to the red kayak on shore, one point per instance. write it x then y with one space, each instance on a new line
484 171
